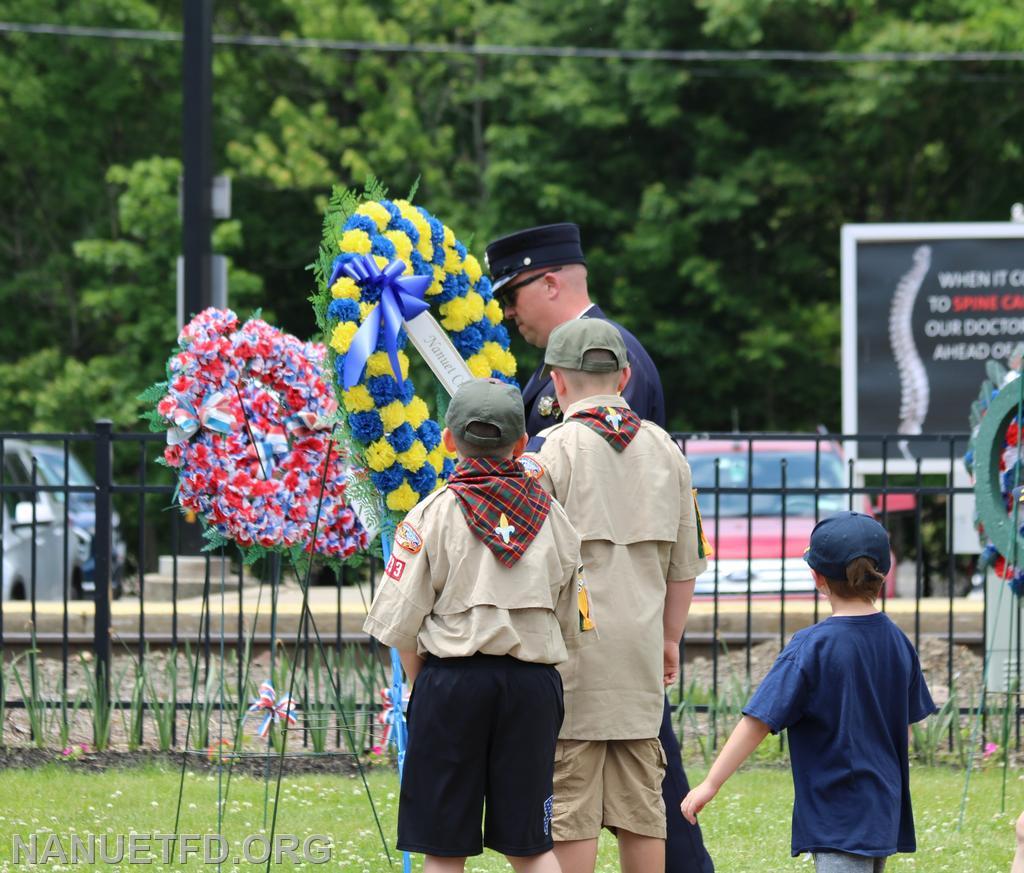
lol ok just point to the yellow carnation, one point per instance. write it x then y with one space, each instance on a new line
379 455
416 412
379 364
473 270
402 244
356 241
365 309
493 311
414 457
455 314
345 287
341 337
452 260
502 361
479 366
402 499
382 262
381 217
436 459
449 236
474 306
436 288
357 399
393 415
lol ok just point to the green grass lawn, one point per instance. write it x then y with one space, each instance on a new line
746 827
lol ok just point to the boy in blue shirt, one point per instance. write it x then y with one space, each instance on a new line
845 689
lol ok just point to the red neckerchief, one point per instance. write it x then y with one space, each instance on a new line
618 425
502 506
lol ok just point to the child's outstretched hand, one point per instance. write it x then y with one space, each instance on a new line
696 800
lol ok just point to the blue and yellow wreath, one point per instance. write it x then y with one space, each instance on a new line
389 425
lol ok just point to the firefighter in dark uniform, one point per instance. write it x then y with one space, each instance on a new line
540 279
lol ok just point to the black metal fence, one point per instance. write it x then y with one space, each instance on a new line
86 517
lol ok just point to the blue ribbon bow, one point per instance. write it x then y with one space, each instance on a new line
401 300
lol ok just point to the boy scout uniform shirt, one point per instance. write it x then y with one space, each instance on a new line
444 592
635 512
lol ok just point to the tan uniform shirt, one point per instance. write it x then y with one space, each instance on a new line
635 513
452 598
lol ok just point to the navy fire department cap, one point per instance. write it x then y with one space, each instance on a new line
551 245
840 538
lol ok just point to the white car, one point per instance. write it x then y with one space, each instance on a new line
49 534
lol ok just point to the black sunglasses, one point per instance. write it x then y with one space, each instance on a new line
507 294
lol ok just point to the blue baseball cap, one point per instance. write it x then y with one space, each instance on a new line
840 538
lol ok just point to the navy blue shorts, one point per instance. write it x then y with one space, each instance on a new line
482 734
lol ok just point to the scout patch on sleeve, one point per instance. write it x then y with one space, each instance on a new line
583 602
408 538
395 568
531 466
704 549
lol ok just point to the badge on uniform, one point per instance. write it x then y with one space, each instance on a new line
408 538
704 549
548 406
531 466
613 417
503 529
583 602
395 568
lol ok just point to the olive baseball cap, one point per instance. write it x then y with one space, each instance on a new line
569 343
487 401
840 538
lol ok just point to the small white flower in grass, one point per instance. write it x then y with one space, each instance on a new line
151 803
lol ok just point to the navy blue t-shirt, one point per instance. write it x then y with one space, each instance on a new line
846 689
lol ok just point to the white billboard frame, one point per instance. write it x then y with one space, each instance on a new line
850 236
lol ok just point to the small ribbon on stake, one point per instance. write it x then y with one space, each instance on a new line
401 300
268 448
214 414
276 708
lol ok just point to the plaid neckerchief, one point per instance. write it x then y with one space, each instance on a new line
502 505
617 424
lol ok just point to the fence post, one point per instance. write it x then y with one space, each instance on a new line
104 547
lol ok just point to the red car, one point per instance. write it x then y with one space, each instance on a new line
755 550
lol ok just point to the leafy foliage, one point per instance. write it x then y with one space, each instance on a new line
710 194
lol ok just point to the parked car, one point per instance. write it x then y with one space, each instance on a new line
45 514
82 515
747 534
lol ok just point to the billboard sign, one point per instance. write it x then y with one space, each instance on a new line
924 307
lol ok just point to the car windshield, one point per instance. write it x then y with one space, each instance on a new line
51 465
734 471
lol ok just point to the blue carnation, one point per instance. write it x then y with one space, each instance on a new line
461 249
382 246
393 211
369 293
402 438
501 377
484 288
366 426
343 309
499 334
408 392
423 481
430 435
387 480
339 367
406 227
447 468
361 222
468 341
449 289
383 389
420 266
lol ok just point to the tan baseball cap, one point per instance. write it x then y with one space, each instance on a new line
569 343
487 401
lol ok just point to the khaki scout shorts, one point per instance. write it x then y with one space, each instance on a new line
608 783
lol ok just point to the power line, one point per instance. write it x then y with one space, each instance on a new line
671 55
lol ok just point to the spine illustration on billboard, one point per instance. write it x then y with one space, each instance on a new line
914 390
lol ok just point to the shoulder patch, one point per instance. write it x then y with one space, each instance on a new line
408 538
531 466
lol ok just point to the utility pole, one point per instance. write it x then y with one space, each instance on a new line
197 147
